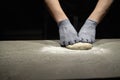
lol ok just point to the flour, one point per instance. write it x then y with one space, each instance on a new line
62 50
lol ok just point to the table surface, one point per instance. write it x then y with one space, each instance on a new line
45 59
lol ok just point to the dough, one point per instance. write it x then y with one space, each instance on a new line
80 46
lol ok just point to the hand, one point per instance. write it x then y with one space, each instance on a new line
88 31
68 34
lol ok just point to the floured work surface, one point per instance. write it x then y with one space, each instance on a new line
47 60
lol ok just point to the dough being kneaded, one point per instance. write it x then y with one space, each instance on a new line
80 46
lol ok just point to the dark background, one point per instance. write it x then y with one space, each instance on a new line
30 20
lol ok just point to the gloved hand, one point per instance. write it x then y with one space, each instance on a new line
88 31
67 33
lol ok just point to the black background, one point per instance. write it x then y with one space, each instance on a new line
30 20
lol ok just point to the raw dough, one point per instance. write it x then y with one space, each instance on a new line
80 46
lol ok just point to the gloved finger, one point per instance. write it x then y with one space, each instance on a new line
66 43
72 42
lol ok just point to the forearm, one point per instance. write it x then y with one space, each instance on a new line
55 10
100 10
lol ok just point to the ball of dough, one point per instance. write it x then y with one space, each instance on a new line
80 46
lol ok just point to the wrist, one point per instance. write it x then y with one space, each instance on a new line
93 22
96 16
63 22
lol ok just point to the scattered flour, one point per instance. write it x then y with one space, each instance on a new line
61 50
